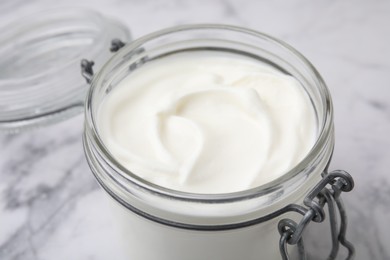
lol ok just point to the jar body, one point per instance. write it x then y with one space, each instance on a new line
162 224
148 240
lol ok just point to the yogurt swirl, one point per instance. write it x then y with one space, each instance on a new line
208 123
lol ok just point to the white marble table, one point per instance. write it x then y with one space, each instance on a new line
50 205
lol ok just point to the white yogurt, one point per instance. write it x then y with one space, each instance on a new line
208 123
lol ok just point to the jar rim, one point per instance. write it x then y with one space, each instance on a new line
324 130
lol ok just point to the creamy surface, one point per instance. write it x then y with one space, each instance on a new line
208 123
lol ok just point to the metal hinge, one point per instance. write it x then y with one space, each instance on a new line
87 65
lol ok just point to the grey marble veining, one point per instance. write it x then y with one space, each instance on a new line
51 206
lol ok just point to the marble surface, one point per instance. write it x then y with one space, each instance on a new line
50 204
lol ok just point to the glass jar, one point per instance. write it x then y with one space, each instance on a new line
159 223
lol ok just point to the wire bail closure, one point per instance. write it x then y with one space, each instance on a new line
291 232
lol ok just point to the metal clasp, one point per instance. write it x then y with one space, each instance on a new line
87 66
327 191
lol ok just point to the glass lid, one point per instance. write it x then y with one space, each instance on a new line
40 78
